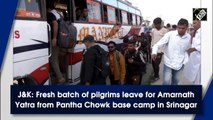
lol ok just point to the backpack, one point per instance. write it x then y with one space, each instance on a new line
139 54
143 67
102 62
66 33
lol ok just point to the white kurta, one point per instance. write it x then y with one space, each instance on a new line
193 67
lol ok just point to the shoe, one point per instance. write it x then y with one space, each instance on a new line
155 79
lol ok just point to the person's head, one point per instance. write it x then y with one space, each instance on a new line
131 46
50 5
111 46
196 24
168 26
135 36
125 40
138 38
174 27
147 34
84 13
89 41
142 34
182 26
157 23
78 12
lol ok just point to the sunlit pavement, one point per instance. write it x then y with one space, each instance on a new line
148 77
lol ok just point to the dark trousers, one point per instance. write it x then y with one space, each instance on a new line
113 81
156 63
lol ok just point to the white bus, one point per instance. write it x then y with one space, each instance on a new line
108 20
31 44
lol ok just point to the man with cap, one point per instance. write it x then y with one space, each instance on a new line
88 73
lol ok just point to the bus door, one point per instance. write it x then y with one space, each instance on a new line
64 8
31 44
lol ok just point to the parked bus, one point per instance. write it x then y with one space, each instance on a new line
30 43
108 20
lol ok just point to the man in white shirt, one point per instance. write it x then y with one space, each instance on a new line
193 69
175 53
157 33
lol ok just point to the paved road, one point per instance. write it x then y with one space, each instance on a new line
147 78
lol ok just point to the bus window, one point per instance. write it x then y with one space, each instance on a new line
138 20
133 19
28 9
94 11
109 15
130 18
124 17
81 12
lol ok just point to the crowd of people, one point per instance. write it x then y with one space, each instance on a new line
180 50
127 65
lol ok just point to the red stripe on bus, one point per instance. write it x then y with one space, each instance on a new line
41 74
134 30
75 57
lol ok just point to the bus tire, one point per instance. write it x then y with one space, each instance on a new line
29 80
